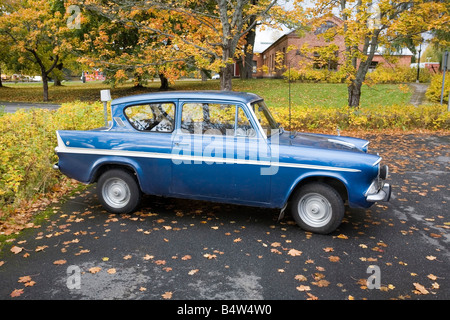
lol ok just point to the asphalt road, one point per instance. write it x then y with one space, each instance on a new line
187 250
11 107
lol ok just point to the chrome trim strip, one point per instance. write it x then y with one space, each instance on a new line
62 148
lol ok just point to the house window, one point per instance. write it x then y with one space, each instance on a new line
324 27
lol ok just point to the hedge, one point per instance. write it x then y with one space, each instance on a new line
27 143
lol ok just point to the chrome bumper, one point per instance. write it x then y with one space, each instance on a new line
384 194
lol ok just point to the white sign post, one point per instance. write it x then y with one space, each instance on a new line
105 96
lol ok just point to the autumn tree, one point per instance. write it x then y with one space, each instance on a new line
35 31
211 32
371 25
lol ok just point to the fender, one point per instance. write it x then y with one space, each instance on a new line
115 161
317 175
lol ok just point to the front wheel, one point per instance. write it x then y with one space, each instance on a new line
318 208
118 191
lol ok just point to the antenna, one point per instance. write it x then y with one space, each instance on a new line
297 53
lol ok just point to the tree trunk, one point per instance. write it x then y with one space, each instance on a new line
226 75
45 84
354 94
247 61
164 83
1 84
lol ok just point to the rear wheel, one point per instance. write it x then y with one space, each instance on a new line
118 191
318 208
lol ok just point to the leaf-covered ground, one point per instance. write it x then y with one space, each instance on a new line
176 249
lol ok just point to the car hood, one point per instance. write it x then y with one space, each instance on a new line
323 141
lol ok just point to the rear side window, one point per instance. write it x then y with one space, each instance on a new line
154 117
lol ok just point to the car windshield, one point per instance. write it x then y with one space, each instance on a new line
265 118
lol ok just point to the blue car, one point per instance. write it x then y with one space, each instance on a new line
223 147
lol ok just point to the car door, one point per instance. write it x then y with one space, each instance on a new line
218 154
150 145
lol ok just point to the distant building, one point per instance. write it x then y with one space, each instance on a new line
265 61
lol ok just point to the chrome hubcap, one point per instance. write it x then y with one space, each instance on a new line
315 210
116 193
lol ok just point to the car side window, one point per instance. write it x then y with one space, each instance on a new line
212 119
154 117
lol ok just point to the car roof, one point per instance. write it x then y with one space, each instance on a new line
244 97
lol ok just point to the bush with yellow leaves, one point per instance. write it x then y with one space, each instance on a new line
27 142
402 117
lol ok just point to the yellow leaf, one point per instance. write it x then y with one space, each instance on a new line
94 270
167 295
420 289
192 272
303 288
294 253
16 249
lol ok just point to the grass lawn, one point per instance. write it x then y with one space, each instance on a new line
275 92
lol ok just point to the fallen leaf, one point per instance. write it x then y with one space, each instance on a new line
328 249
294 253
186 257
148 257
111 271
420 289
40 248
237 240
192 272
275 244
127 257
167 295
334 258
16 249
303 288
311 296
94 270
431 277
275 251
59 262
24 279
142 289
431 258
209 256
16 293
300 277
342 236
321 283
160 262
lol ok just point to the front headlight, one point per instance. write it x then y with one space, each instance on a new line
384 172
